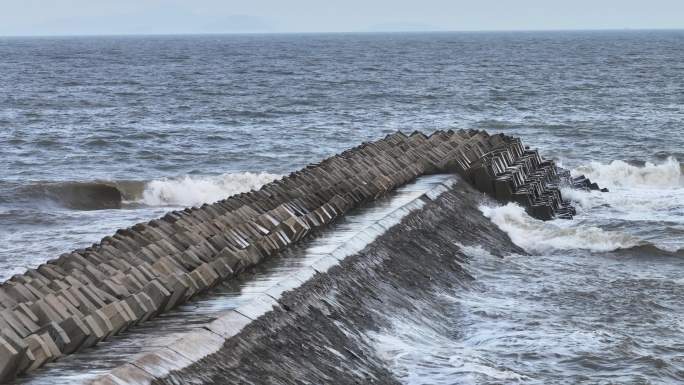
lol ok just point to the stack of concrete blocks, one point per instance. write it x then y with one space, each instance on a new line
81 298
510 172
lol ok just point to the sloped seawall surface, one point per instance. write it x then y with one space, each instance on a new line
318 333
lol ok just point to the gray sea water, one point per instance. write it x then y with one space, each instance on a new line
172 121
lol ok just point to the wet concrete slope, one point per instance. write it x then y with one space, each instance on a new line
317 333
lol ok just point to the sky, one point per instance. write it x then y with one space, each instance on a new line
114 17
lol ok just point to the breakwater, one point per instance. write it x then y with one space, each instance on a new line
321 332
81 298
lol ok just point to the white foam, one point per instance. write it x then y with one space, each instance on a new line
195 190
419 354
537 236
619 173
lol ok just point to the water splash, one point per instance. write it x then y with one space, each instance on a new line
620 173
537 236
191 191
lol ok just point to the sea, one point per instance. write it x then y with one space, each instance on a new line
99 133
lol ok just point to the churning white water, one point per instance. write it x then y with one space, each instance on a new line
597 300
191 190
537 236
620 173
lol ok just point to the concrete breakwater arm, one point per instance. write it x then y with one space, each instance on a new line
86 296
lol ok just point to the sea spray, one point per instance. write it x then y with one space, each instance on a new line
620 173
537 236
192 190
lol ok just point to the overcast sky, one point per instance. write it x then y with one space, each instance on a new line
86 17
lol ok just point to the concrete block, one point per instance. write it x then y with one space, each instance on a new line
82 277
94 275
324 264
99 330
146 255
13 322
66 295
434 193
117 317
166 266
304 274
249 256
203 281
203 251
178 286
84 304
39 351
218 241
61 306
137 308
6 301
131 375
266 246
276 292
208 273
295 228
51 346
51 272
222 268
115 289
88 298
9 360
257 306
228 324
77 331
18 292
138 275
36 275
105 379
57 336
279 238
161 362
148 304
45 312
130 282
146 270
188 259
157 293
24 358
25 320
103 295
24 308
197 344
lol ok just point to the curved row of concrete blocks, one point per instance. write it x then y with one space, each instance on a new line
83 297
513 173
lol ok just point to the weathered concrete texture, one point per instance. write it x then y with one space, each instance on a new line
88 295
317 332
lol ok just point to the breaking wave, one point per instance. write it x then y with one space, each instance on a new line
95 195
102 195
620 173
537 236
192 191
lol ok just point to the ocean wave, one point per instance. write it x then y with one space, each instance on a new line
620 173
181 191
192 190
537 236
651 250
95 195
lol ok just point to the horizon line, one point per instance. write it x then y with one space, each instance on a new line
368 32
